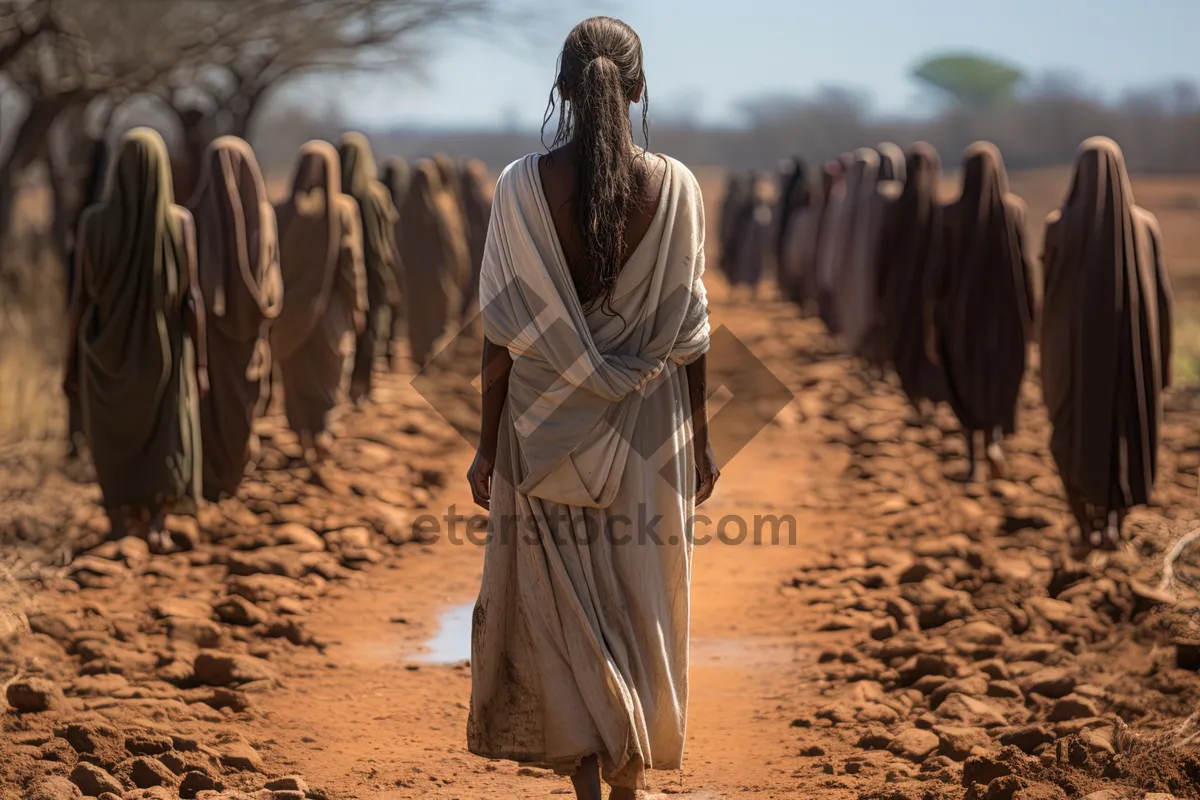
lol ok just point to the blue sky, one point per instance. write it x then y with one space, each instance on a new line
704 56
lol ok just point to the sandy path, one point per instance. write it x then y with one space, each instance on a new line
367 719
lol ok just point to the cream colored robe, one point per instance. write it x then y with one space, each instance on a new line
580 638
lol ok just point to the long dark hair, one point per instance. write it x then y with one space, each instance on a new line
599 73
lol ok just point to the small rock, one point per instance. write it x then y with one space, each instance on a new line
240 756
971 710
94 781
184 532
813 751
33 695
100 744
995 669
54 787
924 664
298 537
980 634
884 629
914 744
226 669
972 687
1028 737
58 750
960 743
147 743
146 772
181 607
288 783
1004 690
195 782
281 561
1073 706
1052 682
919 571
235 610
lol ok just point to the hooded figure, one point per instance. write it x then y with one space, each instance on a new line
475 194
396 177
377 221
237 251
985 303
910 242
138 355
93 192
753 244
830 250
739 190
434 255
1106 342
794 197
854 283
325 294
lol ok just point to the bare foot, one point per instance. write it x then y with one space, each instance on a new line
996 461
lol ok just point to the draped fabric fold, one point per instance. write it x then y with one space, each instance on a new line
986 296
377 224
1106 334
580 640
325 289
138 391
238 266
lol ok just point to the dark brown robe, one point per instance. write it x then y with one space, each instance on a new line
1106 334
238 266
985 296
910 242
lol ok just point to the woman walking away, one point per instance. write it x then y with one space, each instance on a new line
909 243
377 222
986 304
594 385
432 249
325 295
1106 343
238 265
138 351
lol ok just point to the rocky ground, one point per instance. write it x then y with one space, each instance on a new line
980 657
132 675
943 643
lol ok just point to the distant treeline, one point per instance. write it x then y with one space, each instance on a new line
1159 129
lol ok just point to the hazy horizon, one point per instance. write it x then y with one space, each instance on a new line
704 60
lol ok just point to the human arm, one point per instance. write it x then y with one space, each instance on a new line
707 471
497 363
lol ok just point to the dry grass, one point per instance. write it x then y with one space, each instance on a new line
32 308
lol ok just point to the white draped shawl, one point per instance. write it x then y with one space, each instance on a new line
579 642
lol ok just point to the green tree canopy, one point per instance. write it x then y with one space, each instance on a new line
970 81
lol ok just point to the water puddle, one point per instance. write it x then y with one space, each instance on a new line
452 642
